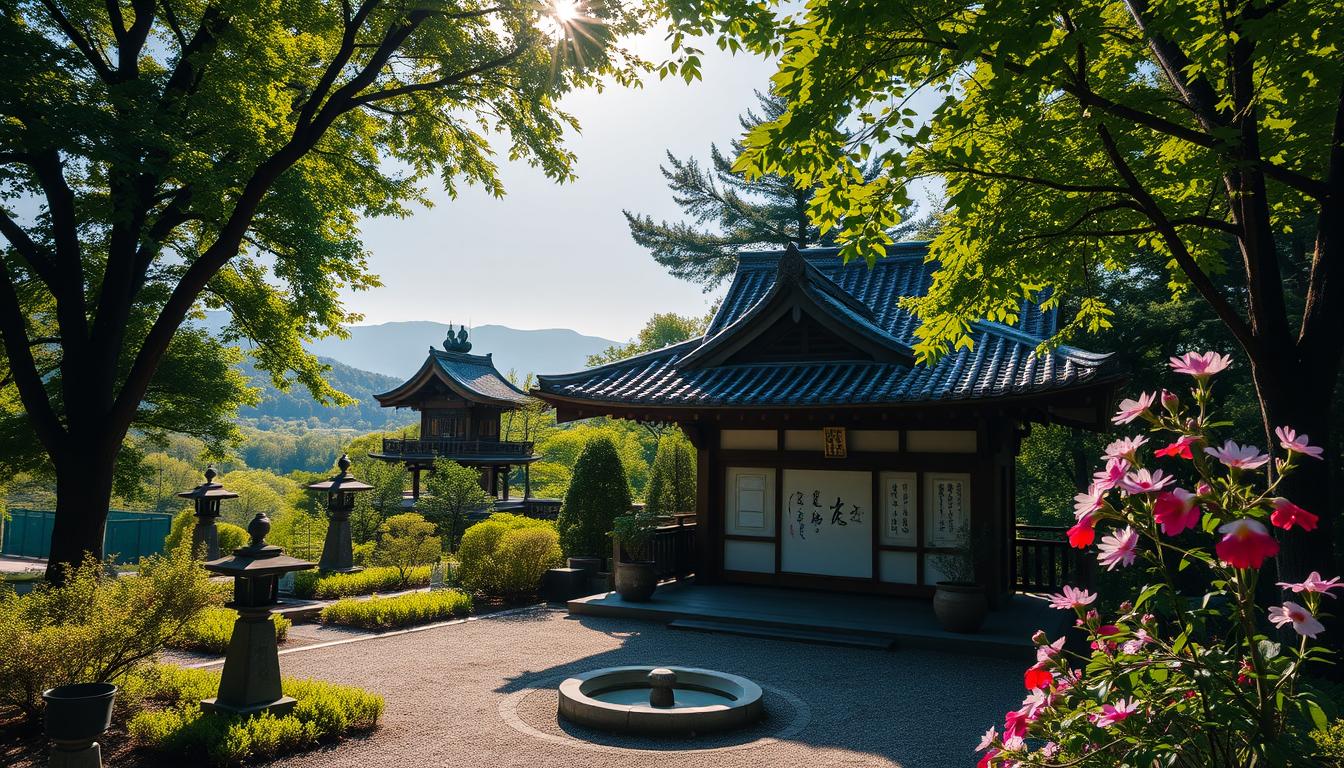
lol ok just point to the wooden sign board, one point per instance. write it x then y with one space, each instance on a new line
833 441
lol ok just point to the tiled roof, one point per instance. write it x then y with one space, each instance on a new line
472 376
1001 363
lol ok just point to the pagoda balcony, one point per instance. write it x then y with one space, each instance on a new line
455 448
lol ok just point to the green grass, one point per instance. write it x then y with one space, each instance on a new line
365 582
21 577
210 631
399 610
170 720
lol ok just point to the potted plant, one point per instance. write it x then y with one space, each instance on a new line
959 600
636 578
78 714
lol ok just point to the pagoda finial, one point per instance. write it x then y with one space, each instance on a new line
210 474
344 463
792 264
257 529
456 342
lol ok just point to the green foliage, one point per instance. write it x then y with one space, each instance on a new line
92 627
405 542
211 630
230 536
506 555
279 411
672 479
378 579
1330 744
597 494
450 492
634 532
561 450
398 610
373 506
169 718
662 330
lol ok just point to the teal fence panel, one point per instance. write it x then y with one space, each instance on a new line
128 535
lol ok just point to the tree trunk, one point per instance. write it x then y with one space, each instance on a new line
83 496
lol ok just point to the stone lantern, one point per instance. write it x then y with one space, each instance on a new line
207 497
338 551
251 679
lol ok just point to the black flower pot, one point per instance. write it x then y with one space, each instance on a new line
80 712
635 582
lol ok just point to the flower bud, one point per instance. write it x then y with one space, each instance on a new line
1170 401
1039 637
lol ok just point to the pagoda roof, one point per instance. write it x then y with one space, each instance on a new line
471 377
861 307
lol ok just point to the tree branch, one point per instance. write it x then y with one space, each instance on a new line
23 369
92 54
443 82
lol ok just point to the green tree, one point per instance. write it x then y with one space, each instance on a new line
221 155
1072 138
662 330
597 494
166 478
451 491
376 505
258 491
672 479
405 542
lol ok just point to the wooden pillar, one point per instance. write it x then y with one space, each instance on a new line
708 534
527 481
507 467
415 482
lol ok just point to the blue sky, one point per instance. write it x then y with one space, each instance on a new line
560 256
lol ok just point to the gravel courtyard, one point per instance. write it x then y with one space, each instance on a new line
481 693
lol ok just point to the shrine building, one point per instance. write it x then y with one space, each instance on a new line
461 398
827 456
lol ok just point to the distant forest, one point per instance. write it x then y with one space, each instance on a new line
285 409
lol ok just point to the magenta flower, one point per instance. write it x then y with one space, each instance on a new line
1133 409
1291 441
1111 476
1176 511
1313 583
1083 532
1072 597
1246 543
1119 548
1124 448
1286 514
1142 481
1239 456
1179 448
1113 713
1200 365
1291 613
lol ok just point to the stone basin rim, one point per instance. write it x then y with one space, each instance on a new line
742 707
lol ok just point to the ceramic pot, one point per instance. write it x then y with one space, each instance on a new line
960 607
78 712
636 582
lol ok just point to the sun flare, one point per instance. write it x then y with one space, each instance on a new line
566 11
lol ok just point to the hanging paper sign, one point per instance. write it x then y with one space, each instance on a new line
829 528
898 509
947 507
834 442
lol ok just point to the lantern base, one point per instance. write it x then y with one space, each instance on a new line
280 707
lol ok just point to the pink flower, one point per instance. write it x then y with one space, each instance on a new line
1119 548
1176 511
1015 724
1286 514
1245 543
1291 441
1050 749
1136 644
1047 651
1072 597
1181 447
1291 613
987 740
1239 456
1142 481
1313 583
986 760
1082 534
1114 713
1200 365
1089 503
1133 409
1124 448
1111 476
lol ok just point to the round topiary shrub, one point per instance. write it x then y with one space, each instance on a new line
506 555
598 493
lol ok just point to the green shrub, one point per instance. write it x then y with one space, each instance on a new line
506 555
94 628
231 536
1330 744
672 479
598 493
398 610
324 711
363 553
407 541
365 582
211 630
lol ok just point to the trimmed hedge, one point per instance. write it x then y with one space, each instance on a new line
398 610
324 711
506 555
365 582
598 492
212 628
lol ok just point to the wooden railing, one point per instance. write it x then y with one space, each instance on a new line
1043 561
673 549
452 447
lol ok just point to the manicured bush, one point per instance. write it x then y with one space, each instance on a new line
672 479
365 582
398 610
94 628
506 555
211 630
451 491
597 494
179 729
231 536
406 542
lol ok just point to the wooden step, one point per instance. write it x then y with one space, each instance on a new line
795 634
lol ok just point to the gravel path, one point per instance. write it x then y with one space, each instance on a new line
481 694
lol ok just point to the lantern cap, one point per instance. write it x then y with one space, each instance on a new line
209 489
257 558
341 481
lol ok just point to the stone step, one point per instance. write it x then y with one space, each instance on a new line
795 634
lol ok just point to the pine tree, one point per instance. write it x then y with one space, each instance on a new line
672 480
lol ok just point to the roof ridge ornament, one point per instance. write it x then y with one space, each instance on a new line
457 342
792 264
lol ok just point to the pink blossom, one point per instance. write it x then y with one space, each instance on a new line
1082 534
1180 447
1286 514
1245 543
1291 441
1119 548
1291 613
1089 503
1313 583
1015 724
1200 365
1114 713
1111 476
1049 750
1137 643
1239 456
1072 597
987 740
1048 651
986 760
1133 409
1176 511
1124 448
1142 481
